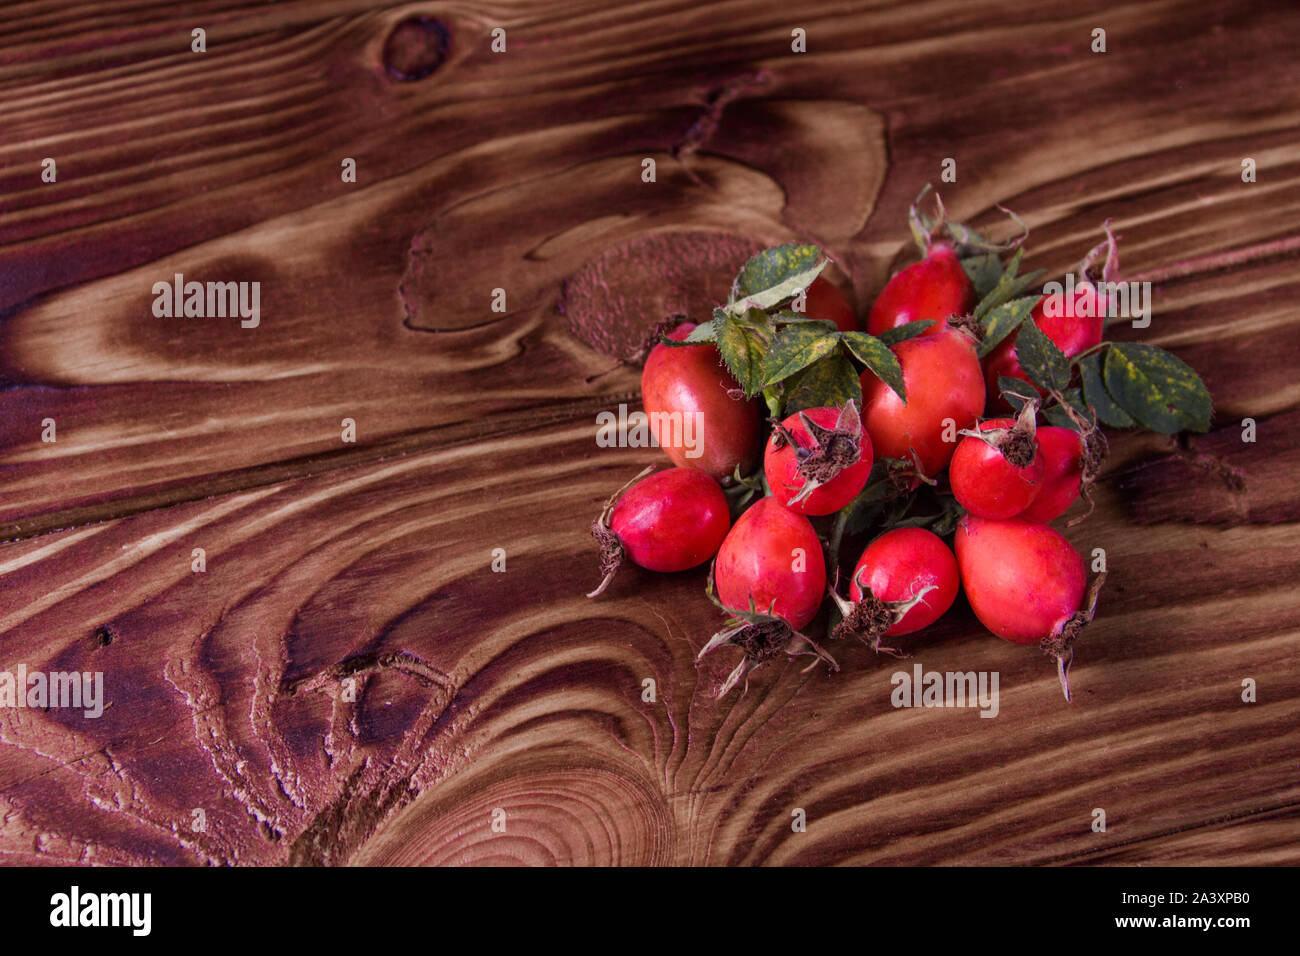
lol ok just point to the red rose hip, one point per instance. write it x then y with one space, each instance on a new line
1025 583
1022 578
1062 451
673 520
997 469
773 557
898 566
934 288
945 393
818 460
685 386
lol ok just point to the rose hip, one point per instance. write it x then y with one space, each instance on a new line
899 565
818 460
1061 450
945 391
670 521
1026 584
683 385
772 557
934 288
997 469
770 575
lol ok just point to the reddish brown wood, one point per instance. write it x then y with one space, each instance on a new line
367 566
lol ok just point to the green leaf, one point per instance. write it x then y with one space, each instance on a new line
755 319
772 399
1017 391
1004 320
796 347
743 347
1158 389
1056 415
864 515
859 513
776 274
1009 285
877 357
829 381
908 330
1042 361
1095 394
774 266
942 524
790 317
984 271
702 334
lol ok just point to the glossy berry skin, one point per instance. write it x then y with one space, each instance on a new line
941 374
757 559
694 379
901 563
825 301
986 484
780 465
1022 578
671 520
934 288
1072 331
1061 450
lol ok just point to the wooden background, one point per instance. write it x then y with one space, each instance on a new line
329 562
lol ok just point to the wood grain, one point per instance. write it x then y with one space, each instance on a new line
366 567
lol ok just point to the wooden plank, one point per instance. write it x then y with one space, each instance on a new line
226 691
366 565
207 403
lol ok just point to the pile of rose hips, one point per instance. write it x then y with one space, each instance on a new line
899 449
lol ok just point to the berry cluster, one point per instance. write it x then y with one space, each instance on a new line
880 435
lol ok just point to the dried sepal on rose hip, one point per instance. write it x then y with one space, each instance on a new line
671 521
817 460
763 636
869 618
1060 646
1016 441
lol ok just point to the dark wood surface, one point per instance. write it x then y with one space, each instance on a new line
367 564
